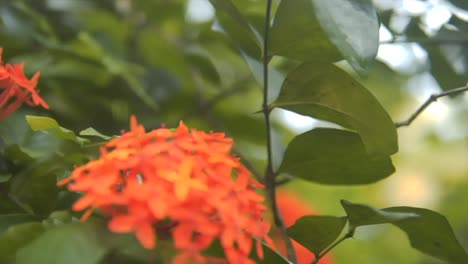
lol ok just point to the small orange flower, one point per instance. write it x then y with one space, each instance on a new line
16 89
179 182
292 208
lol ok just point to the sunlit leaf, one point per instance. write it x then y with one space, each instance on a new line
317 232
321 30
73 243
428 231
39 123
332 156
329 93
93 132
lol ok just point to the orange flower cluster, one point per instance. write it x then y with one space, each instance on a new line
181 181
16 89
292 208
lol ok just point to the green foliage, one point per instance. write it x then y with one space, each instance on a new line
103 61
325 33
72 243
428 231
316 233
327 92
332 156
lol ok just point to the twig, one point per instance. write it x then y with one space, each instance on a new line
350 234
430 100
270 175
426 41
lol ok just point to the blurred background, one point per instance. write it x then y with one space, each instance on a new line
169 60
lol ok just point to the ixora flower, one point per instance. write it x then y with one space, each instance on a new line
178 182
16 88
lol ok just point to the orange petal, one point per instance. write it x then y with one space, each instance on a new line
122 224
146 235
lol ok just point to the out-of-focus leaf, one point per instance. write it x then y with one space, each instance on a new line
78 243
329 93
205 67
16 237
93 132
275 78
270 256
460 3
35 188
317 232
13 219
332 156
428 231
38 123
449 60
237 27
5 177
310 30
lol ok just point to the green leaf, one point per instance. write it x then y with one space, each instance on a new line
332 156
323 29
270 256
428 231
5 177
72 244
460 3
34 187
93 132
39 123
362 215
17 236
9 220
317 232
329 93
238 27
297 34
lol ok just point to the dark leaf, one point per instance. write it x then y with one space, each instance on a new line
317 232
329 93
17 236
428 231
332 156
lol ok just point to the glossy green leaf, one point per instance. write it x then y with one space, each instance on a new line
9 220
40 123
74 243
329 93
332 156
238 27
427 231
17 236
324 29
317 232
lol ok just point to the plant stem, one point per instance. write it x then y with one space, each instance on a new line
430 100
332 246
270 175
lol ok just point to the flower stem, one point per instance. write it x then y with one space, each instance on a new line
270 175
